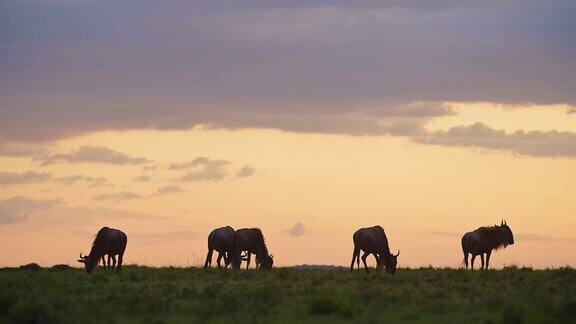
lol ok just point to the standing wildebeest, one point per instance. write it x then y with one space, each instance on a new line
372 240
251 240
221 240
484 240
108 241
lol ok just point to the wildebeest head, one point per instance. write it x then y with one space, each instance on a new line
89 263
268 262
390 262
508 233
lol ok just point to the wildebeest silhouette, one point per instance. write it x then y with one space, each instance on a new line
252 241
108 241
484 240
220 239
372 240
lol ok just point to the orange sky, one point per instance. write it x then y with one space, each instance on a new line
425 196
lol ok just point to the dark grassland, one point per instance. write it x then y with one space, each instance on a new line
155 295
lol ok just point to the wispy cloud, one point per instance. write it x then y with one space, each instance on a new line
18 209
199 161
161 237
532 237
92 181
91 154
118 196
296 230
441 233
530 143
205 169
168 190
11 178
246 171
542 238
142 178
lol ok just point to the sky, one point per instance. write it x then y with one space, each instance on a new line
306 119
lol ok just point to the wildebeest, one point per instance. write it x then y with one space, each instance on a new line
108 241
252 241
372 240
484 240
221 240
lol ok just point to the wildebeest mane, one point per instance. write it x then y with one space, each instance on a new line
385 246
494 235
96 245
261 241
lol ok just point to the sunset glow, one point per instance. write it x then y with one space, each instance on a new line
308 123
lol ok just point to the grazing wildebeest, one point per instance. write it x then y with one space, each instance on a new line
252 241
221 240
372 240
108 241
484 240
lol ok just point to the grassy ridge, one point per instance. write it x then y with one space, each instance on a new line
141 294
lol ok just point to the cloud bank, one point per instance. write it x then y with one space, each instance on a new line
69 68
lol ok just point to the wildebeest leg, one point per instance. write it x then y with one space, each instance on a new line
110 261
248 257
104 261
466 259
482 259
113 261
472 261
488 258
120 257
355 255
364 256
208 258
218 260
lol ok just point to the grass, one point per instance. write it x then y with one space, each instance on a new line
185 295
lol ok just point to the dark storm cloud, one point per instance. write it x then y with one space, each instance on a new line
71 67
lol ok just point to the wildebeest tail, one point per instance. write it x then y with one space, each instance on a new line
464 249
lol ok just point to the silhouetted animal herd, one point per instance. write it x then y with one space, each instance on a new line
235 246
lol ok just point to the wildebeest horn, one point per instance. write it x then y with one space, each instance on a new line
82 257
397 254
502 223
271 256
